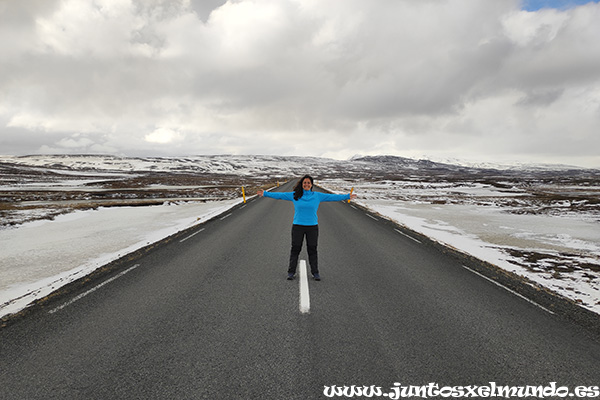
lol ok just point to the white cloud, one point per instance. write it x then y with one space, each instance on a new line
472 78
163 136
534 28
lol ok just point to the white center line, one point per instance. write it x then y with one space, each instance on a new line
370 216
82 295
408 236
195 233
222 218
304 296
506 288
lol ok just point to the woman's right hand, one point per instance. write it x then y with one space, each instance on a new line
260 193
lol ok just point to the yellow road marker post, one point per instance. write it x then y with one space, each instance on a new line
244 195
351 190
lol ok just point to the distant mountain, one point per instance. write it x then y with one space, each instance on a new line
372 167
508 166
398 161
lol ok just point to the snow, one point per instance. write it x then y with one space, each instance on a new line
39 257
480 219
489 233
99 165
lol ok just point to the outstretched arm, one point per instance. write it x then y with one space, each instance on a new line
335 197
277 195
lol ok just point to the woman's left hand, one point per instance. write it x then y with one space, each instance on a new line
352 196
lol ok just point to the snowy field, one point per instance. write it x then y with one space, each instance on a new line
39 257
560 252
65 216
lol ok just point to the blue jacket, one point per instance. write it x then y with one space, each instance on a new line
305 208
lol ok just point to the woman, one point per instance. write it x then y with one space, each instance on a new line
306 202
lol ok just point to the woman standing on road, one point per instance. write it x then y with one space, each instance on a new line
306 202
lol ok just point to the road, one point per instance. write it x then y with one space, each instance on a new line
211 316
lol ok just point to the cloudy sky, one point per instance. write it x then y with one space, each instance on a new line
479 80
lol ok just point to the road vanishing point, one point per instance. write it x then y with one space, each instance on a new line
209 314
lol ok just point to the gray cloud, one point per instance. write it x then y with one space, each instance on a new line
462 78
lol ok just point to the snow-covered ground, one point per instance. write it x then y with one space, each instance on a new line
38 257
560 252
539 223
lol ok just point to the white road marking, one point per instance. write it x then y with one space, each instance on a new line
408 236
195 233
82 295
370 216
510 290
353 206
304 296
222 218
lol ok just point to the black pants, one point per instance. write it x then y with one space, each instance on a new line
312 238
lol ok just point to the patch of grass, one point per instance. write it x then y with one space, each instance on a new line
555 264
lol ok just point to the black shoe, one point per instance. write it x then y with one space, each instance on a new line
290 277
317 277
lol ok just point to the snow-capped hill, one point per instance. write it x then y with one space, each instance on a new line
282 166
514 166
245 165
397 161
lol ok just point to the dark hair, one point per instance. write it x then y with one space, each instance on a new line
298 191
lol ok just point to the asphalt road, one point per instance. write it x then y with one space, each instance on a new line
211 316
